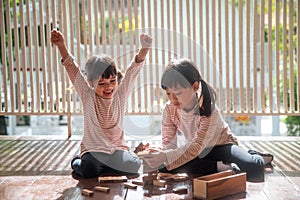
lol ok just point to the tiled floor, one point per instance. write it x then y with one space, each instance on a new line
39 168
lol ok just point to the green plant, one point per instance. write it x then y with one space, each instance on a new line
292 125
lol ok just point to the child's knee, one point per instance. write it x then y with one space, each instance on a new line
89 169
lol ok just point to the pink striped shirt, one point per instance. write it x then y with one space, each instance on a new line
200 132
103 118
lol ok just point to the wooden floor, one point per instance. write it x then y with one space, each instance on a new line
39 168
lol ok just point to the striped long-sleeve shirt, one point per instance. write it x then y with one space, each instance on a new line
200 132
103 118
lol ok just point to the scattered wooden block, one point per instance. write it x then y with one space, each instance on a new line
180 177
87 192
173 177
130 185
102 189
138 182
112 179
159 183
219 185
180 190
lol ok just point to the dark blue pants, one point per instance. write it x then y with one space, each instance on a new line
253 165
94 164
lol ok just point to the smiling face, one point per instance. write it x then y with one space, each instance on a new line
106 87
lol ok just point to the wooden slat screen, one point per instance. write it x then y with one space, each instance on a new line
248 50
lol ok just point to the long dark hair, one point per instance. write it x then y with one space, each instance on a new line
182 72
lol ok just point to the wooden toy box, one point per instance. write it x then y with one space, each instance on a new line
219 185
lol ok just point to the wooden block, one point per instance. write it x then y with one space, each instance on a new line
102 189
138 182
180 190
180 177
159 183
219 185
112 179
173 177
130 185
87 192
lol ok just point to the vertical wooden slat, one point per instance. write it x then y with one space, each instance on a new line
150 58
212 63
124 42
4 61
291 57
220 40
43 63
84 27
90 27
110 29
277 40
194 46
29 57
96 18
201 57
227 58
233 46
255 22
298 57
284 57
248 54
207 39
103 26
17 62
181 47
241 55
23 56
163 43
270 63
116 6
169 28
49 55
55 59
188 26
37 94
145 71
174 42
262 56
155 65
131 36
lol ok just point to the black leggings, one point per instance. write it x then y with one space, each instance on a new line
253 165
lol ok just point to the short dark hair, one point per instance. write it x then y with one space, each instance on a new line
100 65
